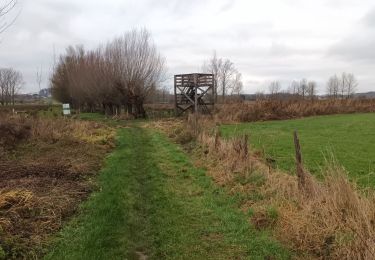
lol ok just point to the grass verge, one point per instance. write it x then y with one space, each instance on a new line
326 219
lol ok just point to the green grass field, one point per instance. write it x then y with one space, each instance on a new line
350 138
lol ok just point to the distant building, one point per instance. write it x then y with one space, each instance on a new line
45 93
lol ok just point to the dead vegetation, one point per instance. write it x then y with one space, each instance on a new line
45 171
328 219
269 109
11 134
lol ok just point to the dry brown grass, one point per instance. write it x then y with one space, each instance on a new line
328 219
157 111
45 174
263 110
11 133
337 222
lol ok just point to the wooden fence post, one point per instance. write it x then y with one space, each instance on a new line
217 138
246 144
299 167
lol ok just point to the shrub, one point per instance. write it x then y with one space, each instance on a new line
263 110
44 177
2 254
12 132
184 137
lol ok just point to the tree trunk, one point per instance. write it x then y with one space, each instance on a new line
139 111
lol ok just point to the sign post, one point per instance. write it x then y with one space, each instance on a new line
66 109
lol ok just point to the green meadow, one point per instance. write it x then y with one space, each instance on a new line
347 139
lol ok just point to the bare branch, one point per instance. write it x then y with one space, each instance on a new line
5 10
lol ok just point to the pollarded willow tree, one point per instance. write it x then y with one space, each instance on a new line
119 75
138 67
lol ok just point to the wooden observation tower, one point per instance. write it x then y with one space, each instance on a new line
194 92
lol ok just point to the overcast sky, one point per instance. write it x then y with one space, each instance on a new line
267 40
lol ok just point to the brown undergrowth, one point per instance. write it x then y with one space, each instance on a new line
262 110
46 167
328 219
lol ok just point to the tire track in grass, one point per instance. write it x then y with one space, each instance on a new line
153 203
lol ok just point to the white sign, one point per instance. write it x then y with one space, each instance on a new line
66 109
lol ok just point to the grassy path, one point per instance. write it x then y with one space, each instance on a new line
152 202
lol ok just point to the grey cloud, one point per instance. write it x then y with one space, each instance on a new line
369 19
358 49
282 49
227 5
262 46
357 46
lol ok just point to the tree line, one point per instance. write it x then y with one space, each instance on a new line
302 89
10 83
118 75
228 81
338 87
343 86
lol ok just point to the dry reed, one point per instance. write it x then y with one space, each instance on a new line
263 110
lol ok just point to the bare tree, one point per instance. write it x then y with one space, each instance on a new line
343 86
293 88
311 89
226 72
140 66
236 85
213 66
5 10
274 89
351 85
302 88
333 86
39 77
10 83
